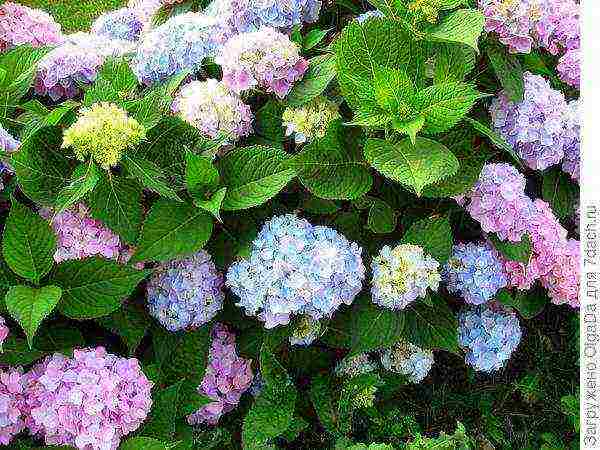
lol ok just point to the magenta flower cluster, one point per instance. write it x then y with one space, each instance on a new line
13 406
227 377
20 25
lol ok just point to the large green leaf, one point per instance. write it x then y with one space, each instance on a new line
382 218
374 327
268 125
18 66
415 166
434 235
142 443
494 138
321 70
507 69
84 179
321 396
560 191
452 62
131 322
160 423
463 26
150 176
529 304
513 251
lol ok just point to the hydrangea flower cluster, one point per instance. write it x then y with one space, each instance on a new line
89 401
181 43
374 13
123 24
569 67
498 201
13 407
4 332
296 268
145 8
186 293
101 45
103 132
60 72
402 275
409 360
211 108
20 25
475 272
490 335
572 159
310 121
227 377
533 127
562 281
261 59
306 330
355 365
558 26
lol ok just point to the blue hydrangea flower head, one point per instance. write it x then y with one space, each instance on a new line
295 269
409 360
186 293
490 334
123 24
474 271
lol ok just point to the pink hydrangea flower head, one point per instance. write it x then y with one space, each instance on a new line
572 159
13 407
89 401
569 67
20 25
227 377
562 281
558 26
265 59
4 331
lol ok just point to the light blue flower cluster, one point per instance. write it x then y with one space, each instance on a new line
475 272
490 335
124 23
181 43
374 13
296 268
186 293
407 359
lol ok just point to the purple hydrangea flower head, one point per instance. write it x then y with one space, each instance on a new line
374 13
226 378
306 330
562 281
407 359
186 293
558 26
353 366
20 25
296 269
264 59
569 67
4 332
475 272
214 110
490 334
534 126
498 201
13 407
181 43
60 72
572 159
401 275
122 24
89 401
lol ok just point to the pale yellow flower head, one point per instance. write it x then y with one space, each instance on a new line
311 120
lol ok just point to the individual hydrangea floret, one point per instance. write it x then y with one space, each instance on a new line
4 332
563 279
214 110
13 407
61 72
572 159
310 121
474 271
90 401
355 365
569 68
490 334
123 24
296 269
498 201
181 43
226 378
557 28
532 127
409 360
264 59
103 132
403 274
186 293
20 25
374 13
305 331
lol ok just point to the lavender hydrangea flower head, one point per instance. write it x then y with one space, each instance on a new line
123 24
296 269
310 121
89 401
226 378
490 334
264 59
354 366
498 201
181 43
558 26
569 68
306 330
475 272
4 332
562 281
186 293
401 275
211 108
572 159
534 126
13 407
60 72
20 25
409 360
374 13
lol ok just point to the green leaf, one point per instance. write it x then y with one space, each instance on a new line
30 306
268 124
200 173
332 167
142 443
529 304
151 108
254 175
322 399
19 68
434 235
463 26
507 69
37 116
94 287
513 251
320 72
432 327
120 76
117 202
394 91
452 63
382 218
28 244
150 176
160 423
410 127
560 192
213 205
101 91
131 322
84 180
415 166
313 37
495 139
172 229
374 327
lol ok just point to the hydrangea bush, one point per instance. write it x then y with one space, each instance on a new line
285 224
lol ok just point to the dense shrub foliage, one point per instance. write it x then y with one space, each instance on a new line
291 224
